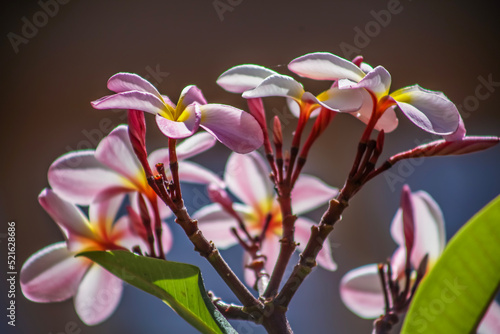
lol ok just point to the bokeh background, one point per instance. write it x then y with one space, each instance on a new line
50 74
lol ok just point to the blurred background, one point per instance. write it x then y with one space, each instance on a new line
57 58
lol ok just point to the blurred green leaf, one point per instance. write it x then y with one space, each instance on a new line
456 293
179 285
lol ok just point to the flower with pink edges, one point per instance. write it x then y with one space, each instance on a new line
246 178
233 127
54 274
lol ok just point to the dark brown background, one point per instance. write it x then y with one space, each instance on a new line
48 84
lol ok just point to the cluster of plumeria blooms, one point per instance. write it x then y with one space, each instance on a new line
271 190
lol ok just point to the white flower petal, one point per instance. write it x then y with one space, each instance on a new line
98 295
309 193
325 66
361 291
52 274
241 78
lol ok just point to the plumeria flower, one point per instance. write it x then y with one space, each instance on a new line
113 169
246 178
430 110
255 81
54 273
233 127
418 230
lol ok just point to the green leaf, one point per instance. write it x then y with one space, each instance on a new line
179 285
456 293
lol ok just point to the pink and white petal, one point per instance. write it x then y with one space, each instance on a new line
166 238
293 106
241 78
429 231
302 234
123 82
98 295
194 145
271 249
377 81
190 94
309 193
341 100
246 176
397 232
102 214
388 121
191 117
78 177
216 224
361 291
459 133
68 216
164 210
276 85
52 274
168 102
430 110
133 100
398 262
236 129
325 66
116 152
194 173
123 234
491 320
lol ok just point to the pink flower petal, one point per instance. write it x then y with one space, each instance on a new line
241 78
78 177
429 229
429 110
190 94
216 224
302 234
68 216
246 176
459 133
270 248
236 129
276 85
194 173
124 234
377 81
52 274
361 291
116 152
102 214
98 295
491 320
309 193
133 100
177 129
123 82
194 145
387 122
325 66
